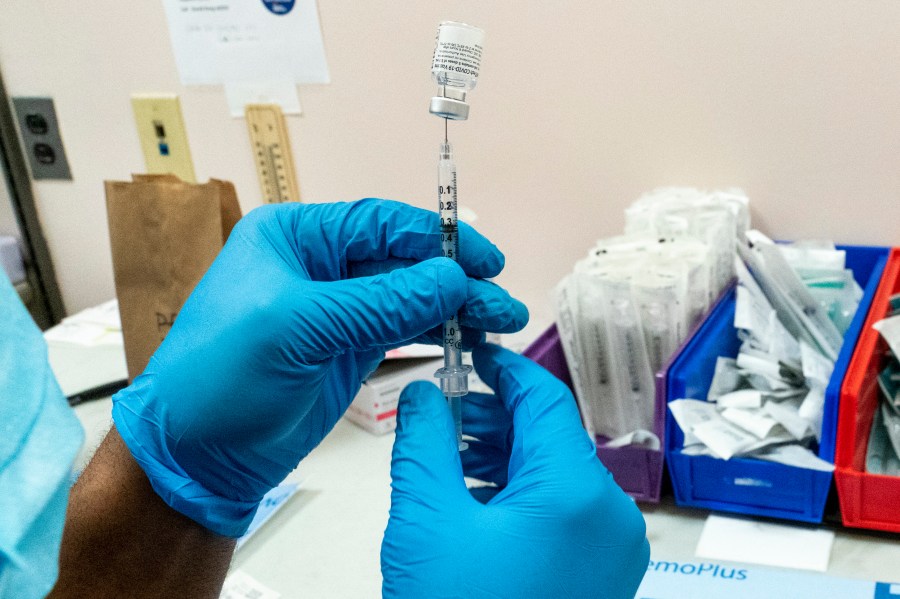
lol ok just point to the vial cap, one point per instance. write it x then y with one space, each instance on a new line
448 108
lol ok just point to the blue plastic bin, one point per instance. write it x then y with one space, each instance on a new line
748 486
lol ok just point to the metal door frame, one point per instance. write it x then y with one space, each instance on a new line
48 304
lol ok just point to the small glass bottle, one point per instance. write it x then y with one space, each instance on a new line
454 67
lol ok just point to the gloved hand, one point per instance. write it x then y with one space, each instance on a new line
274 342
557 525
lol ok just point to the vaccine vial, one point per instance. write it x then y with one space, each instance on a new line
455 66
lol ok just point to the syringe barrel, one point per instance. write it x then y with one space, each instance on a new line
452 343
454 375
447 207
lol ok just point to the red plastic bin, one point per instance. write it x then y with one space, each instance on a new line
867 500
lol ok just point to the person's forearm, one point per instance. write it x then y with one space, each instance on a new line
122 540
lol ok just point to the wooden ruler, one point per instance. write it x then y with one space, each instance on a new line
272 153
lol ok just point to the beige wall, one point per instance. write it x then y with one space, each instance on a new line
582 105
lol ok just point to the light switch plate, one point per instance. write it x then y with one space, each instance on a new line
163 137
41 139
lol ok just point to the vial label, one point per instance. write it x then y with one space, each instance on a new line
457 51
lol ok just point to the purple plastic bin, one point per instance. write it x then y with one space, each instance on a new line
636 469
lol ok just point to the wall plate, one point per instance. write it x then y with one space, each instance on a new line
43 145
163 136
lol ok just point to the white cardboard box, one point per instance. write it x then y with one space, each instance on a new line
375 406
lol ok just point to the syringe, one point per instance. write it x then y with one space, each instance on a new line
454 66
454 376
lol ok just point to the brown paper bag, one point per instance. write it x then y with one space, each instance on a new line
164 234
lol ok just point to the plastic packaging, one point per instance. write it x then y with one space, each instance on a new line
659 293
629 365
793 491
626 308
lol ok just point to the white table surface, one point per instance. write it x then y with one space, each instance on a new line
325 541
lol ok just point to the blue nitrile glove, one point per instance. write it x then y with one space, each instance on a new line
557 525
274 342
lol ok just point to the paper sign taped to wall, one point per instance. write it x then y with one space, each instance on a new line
219 41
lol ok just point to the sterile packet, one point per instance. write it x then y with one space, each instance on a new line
595 368
756 317
695 255
565 305
659 292
798 311
779 375
881 457
811 410
629 365
639 438
638 243
809 256
739 204
775 439
817 368
754 421
891 419
715 225
795 455
742 398
688 413
788 416
724 439
889 381
726 378
889 328
640 215
838 296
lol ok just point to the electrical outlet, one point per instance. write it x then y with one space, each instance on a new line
163 137
41 138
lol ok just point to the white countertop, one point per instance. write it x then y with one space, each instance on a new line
325 541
